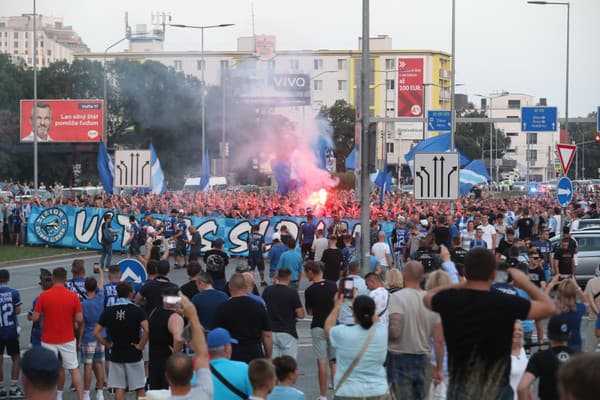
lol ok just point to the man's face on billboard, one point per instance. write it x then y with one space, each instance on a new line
43 122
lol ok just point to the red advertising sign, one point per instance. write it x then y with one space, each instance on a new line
410 87
62 120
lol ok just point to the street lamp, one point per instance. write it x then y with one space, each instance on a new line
203 93
560 3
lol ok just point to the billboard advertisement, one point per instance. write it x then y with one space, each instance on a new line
62 121
410 87
273 90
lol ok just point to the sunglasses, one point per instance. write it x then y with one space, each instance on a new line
535 258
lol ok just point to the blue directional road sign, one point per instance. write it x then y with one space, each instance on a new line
564 191
132 270
439 120
538 119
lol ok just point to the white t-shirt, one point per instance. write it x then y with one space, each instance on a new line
202 390
149 238
381 297
517 369
379 250
488 231
318 247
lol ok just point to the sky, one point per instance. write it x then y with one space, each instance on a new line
501 45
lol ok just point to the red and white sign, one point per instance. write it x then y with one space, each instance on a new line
566 153
63 120
410 87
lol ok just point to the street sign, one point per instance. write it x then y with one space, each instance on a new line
566 153
557 166
436 176
132 270
439 120
133 168
564 191
538 119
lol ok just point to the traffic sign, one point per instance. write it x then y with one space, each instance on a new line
566 153
437 176
538 119
557 166
439 120
132 168
132 270
564 191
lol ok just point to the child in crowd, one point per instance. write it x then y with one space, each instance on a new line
286 369
262 378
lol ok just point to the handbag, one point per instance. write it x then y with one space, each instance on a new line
356 360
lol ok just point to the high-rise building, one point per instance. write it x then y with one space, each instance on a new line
55 40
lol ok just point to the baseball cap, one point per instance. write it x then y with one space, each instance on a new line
40 365
181 211
276 236
424 222
401 219
558 328
479 228
219 337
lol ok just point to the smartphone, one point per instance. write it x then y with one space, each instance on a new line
348 288
96 267
501 277
171 301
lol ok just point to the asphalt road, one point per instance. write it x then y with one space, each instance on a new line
25 278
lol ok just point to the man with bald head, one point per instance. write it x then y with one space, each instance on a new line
249 279
247 322
411 327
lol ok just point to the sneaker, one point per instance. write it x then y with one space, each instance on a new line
99 394
177 266
263 283
3 391
15 392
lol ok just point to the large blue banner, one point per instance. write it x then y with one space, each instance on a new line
75 227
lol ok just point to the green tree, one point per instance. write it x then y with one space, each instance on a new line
342 117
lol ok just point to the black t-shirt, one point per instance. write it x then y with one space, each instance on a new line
318 298
536 276
458 254
478 328
333 260
153 290
525 226
245 319
216 261
123 323
442 235
282 302
189 289
503 247
564 257
544 365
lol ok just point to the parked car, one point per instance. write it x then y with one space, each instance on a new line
408 189
520 186
589 223
587 258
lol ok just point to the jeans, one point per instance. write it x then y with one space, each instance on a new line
406 374
106 255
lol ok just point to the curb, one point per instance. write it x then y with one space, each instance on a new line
57 257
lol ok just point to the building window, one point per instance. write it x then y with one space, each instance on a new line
389 84
16 35
532 138
514 104
200 65
342 85
26 45
26 35
41 43
16 45
49 53
389 147
532 156
318 84
178 65
294 65
342 64
318 63
224 64
389 63
512 134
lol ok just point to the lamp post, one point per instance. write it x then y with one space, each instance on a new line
203 93
35 133
489 106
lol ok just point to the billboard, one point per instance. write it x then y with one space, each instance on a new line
410 87
264 46
63 120
272 90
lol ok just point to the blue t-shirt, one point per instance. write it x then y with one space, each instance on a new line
574 323
110 292
274 254
478 243
9 301
255 242
236 372
77 286
36 327
92 308
206 303
182 227
368 377
170 223
286 393
401 238
293 261
137 234
308 232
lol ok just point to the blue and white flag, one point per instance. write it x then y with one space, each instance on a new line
106 169
472 174
205 173
436 144
351 160
159 185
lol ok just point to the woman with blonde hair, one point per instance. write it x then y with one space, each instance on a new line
437 279
567 304
393 281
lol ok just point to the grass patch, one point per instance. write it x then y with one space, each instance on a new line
12 253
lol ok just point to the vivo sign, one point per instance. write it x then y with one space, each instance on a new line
290 82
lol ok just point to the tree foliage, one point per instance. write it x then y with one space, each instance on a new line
342 117
473 139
